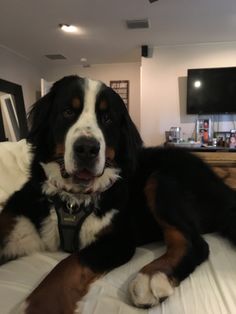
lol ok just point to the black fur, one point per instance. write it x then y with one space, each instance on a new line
188 195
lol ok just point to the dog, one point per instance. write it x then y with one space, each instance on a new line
95 191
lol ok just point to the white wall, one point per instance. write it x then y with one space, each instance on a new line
17 69
164 82
105 73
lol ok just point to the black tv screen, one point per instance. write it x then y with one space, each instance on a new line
211 91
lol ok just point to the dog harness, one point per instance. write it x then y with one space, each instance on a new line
70 219
71 216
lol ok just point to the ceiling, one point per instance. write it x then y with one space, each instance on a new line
30 27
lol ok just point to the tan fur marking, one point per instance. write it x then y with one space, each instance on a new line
60 149
150 192
76 103
176 249
110 153
103 105
66 284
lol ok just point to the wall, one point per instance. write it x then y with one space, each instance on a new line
105 73
164 82
17 69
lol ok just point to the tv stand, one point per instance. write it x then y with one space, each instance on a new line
221 159
223 163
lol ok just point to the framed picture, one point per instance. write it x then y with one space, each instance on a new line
222 135
203 130
122 88
225 139
10 119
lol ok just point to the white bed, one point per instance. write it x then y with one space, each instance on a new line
211 289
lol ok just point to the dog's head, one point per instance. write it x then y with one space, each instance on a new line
86 125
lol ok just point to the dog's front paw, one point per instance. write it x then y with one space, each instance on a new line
147 291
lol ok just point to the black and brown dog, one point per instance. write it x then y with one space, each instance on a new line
98 193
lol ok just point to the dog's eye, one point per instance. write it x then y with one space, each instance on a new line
68 113
106 119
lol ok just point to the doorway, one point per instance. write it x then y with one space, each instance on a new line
15 91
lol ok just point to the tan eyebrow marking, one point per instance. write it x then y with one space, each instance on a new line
103 104
110 153
76 103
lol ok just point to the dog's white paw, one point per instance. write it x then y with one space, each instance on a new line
147 291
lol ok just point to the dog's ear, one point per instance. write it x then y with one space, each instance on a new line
131 143
39 122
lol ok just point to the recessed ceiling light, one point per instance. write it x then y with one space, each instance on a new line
68 28
83 59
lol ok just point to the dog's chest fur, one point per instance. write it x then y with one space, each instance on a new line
93 226
25 238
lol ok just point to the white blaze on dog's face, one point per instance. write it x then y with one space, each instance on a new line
86 132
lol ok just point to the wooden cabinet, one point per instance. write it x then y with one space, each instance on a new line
223 163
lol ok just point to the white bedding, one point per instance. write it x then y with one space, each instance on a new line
14 161
211 289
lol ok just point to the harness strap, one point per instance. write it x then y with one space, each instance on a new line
70 219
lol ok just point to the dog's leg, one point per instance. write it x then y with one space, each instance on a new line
7 223
20 222
156 281
18 237
185 247
69 281
59 292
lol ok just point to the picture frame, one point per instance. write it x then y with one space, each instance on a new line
222 135
10 118
225 139
121 87
203 130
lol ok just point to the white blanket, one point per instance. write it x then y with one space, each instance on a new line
14 162
211 289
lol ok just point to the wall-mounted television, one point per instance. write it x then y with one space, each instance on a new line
211 91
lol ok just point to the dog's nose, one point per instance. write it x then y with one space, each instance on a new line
86 148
